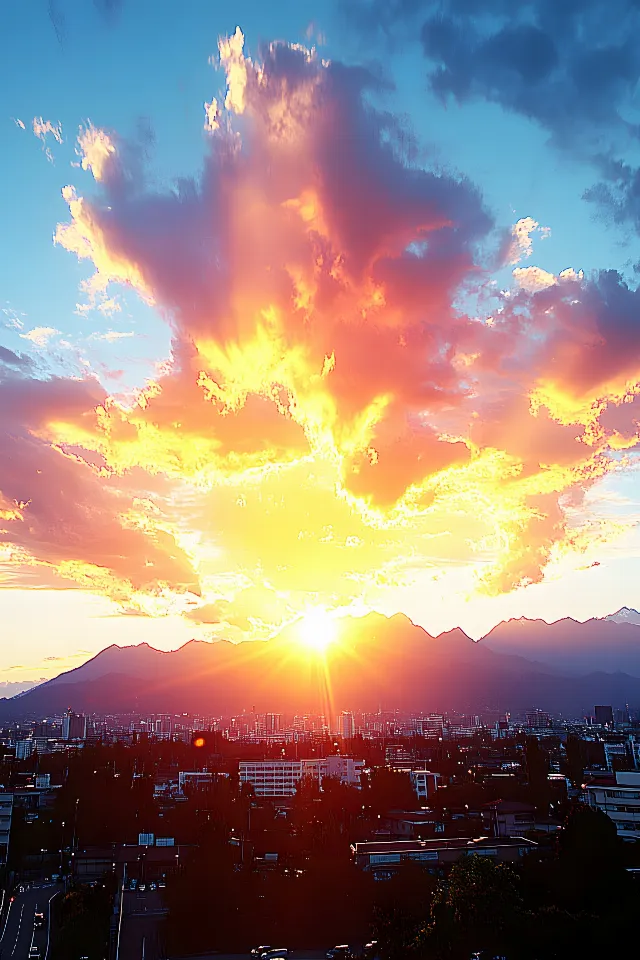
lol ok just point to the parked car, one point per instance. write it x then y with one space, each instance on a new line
275 953
258 951
341 952
142 887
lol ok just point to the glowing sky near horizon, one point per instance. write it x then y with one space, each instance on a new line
330 322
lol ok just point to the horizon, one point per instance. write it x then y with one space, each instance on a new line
324 651
302 343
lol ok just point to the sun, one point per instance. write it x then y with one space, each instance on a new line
317 629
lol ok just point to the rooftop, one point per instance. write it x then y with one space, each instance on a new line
410 846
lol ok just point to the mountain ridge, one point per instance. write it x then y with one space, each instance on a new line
379 660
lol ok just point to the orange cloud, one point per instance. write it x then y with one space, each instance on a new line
329 422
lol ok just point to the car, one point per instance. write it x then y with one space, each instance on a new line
142 887
258 951
340 952
161 885
38 919
275 953
153 886
34 953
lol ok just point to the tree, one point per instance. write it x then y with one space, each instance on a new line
477 908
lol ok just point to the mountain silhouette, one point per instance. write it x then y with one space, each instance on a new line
379 662
572 648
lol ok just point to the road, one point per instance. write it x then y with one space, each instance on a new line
19 934
142 917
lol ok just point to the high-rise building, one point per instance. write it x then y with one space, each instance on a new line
24 749
272 723
537 720
430 726
74 726
604 716
347 725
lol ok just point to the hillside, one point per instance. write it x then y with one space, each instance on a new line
379 662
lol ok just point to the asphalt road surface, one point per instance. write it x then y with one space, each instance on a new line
142 917
20 938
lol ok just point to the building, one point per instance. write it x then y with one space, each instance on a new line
604 716
74 726
195 779
621 753
272 723
383 858
346 725
411 824
430 726
507 818
24 749
6 811
537 720
280 778
620 800
424 783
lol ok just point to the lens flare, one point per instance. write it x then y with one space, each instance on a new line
317 629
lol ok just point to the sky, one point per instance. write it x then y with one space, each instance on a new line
316 306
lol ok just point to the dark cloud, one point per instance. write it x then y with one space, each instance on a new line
11 359
570 66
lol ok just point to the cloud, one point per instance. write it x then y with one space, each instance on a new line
111 336
572 68
329 423
40 336
64 515
11 359
43 127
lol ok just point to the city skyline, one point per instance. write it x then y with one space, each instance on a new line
307 344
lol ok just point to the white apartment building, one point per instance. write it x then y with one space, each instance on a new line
424 782
280 778
621 803
6 810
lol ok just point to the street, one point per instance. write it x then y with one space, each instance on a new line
20 938
139 936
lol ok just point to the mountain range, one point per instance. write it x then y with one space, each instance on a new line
564 667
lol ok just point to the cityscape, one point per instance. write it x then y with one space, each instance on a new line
140 816
319 500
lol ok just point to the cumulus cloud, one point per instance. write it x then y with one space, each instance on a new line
40 336
329 422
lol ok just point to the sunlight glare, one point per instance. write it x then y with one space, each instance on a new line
317 629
